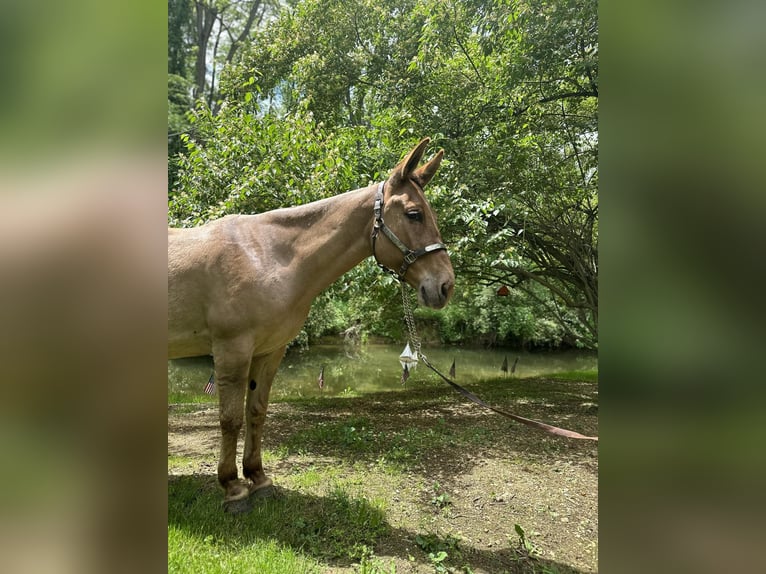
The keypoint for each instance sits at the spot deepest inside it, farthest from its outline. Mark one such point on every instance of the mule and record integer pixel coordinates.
(240, 289)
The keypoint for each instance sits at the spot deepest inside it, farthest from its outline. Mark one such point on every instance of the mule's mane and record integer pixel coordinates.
(308, 214)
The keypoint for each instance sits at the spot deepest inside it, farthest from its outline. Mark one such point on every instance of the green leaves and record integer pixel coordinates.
(330, 94)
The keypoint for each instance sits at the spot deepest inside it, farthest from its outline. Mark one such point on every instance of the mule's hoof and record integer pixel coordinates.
(265, 492)
(237, 506)
(262, 490)
(236, 499)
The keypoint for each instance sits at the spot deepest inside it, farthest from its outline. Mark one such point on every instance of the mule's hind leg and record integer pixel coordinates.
(262, 371)
(232, 364)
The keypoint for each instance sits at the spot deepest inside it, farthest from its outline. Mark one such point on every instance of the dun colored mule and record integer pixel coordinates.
(240, 288)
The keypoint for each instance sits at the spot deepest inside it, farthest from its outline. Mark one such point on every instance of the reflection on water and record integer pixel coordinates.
(374, 368)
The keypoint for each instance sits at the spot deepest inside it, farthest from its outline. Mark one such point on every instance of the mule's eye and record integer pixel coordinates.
(415, 216)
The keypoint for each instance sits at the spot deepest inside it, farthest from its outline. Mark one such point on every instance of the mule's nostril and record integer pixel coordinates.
(446, 288)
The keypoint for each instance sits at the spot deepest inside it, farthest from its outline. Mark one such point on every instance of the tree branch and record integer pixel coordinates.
(255, 7)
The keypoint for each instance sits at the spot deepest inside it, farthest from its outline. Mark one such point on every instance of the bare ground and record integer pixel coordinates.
(470, 482)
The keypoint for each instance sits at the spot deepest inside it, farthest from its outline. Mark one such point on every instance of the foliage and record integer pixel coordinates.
(375, 566)
(479, 316)
(203, 37)
(328, 315)
(438, 549)
(440, 499)
(241, 161)
(179, 102)
(330, 94)
(180, 30)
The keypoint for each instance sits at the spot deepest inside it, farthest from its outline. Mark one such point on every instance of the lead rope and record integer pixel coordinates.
(409, 319)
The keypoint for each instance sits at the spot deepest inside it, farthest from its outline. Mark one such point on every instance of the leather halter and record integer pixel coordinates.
(410, 256)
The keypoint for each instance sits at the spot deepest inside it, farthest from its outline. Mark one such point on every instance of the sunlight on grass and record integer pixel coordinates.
(182, 397)
(177, 460)
(194, 552)
(313, 477)
(270, 456)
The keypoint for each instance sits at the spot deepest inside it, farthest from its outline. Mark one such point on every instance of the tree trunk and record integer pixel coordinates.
(206, 16)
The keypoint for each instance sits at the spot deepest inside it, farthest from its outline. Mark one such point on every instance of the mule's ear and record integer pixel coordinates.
(407, 166)
(424, 173)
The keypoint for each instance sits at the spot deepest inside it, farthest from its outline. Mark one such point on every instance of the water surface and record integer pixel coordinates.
(375, 368)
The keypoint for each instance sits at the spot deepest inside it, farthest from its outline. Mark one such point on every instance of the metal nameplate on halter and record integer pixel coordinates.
(433, 247)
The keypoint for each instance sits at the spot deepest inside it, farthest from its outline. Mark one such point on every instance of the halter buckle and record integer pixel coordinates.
(409, 258)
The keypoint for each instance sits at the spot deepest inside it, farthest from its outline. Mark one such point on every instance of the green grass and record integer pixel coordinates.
(333, 514)
(313, 477)
(177, 460)
(193, 554)
(589, 375)
(393, 449)
(181, 397)
(201, 538)
(293, 532)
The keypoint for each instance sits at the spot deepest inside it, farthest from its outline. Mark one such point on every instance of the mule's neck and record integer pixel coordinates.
(328, 238)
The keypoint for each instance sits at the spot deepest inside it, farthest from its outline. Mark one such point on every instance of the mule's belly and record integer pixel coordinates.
(194, 346)
(188, 332)
(265, 334)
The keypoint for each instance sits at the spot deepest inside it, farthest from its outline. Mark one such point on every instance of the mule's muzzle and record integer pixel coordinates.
(436, 293)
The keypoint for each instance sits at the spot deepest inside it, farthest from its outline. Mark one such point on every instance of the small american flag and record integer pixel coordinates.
(405, 374)
(320, 381)
(210, 386)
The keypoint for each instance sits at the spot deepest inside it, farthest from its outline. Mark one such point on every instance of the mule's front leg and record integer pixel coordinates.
(262, 372)
(231, 369)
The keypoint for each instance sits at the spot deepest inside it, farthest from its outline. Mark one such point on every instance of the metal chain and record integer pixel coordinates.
(409, 319)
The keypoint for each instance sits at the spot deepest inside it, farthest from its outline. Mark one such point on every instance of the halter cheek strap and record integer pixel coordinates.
(410, 256)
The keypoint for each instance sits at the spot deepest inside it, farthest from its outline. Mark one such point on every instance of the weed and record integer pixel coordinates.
(440, 500)
(524, 550)
(372, 565)
(438, 549)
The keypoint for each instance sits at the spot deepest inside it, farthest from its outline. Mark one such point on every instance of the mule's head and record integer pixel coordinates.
(406, 212)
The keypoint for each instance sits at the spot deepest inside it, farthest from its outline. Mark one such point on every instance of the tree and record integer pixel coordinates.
(228, 25)
(179, 35)
(203, 37)
(508, 88)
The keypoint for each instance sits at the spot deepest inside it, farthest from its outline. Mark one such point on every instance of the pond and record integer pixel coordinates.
(375, 367)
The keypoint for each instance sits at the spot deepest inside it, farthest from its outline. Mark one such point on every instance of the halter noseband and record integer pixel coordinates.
(410, 256)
